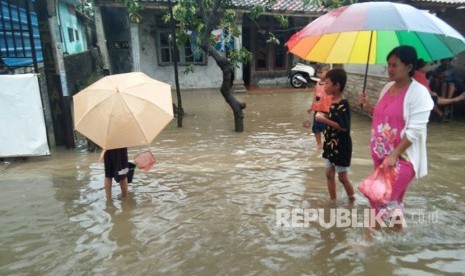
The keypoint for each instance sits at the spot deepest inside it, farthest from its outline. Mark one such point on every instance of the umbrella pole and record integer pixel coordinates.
(368, 61)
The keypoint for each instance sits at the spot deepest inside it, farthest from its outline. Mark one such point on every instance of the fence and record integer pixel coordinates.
(19, 34)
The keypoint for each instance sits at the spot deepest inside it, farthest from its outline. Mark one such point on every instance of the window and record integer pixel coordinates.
(269, 56)
(261, 53)
(280, 54)
(77, 35)
(71, 34)
(188, 54)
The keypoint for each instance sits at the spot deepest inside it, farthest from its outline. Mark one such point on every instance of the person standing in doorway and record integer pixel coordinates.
(337, 147)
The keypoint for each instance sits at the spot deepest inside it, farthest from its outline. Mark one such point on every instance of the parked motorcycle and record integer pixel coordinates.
(301, 75)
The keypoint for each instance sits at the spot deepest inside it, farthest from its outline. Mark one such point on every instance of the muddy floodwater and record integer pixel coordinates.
(211, 204)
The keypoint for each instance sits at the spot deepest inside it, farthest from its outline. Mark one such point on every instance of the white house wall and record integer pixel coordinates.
(207, 76)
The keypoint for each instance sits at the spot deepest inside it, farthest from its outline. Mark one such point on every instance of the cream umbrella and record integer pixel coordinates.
(123, 110)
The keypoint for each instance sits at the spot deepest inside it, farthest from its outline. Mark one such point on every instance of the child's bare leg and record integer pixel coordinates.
(108, 188)
(344, 179)
(331, 182)
(124, 187)
(318, 140)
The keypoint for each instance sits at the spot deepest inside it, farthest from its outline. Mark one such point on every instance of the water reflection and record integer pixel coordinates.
(208, 207)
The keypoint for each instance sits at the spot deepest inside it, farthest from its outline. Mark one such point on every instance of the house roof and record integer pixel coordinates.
(452, 2)
(281, 6)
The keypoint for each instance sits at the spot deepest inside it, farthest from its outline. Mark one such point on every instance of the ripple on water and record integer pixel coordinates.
(209, 205)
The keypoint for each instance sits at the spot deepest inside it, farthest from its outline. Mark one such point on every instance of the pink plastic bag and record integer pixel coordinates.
(307, 123)
(144, 160)
(378, 186)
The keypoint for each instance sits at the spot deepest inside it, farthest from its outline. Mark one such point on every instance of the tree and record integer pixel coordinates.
(201, 17)
(195, 21)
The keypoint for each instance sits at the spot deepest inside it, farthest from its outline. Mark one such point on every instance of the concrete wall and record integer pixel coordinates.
(116, 28)
(81, 70)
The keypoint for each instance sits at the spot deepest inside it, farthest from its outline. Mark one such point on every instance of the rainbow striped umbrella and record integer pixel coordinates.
(365, 33)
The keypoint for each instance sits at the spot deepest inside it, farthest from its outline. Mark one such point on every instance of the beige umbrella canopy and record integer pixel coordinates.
(123, 110)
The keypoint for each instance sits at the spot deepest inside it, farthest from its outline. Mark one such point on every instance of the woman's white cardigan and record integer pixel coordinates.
(417, 107)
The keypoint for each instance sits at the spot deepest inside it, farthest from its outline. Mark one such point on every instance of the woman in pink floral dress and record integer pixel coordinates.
(399, 128)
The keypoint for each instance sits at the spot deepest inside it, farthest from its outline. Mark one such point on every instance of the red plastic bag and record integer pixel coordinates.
(144, 160)
(378, 186)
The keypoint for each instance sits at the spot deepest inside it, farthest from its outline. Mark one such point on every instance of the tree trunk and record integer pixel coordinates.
(226, 86)
(236, 106)
(179, 110)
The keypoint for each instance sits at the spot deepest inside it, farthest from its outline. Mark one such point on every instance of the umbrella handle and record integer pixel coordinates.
(366, 67)
(364, 84)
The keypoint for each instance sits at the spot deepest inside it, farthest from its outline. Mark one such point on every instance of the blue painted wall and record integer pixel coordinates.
(72, 30)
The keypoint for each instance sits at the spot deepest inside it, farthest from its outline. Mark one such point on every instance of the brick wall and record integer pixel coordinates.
(354, 87)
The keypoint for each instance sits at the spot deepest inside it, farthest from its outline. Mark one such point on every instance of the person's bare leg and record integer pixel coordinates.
(319, 145)
(444, 88)
(437, 110)
(331, 182)
(450, 90)
(344, 179)
(398, 226)
(124, 187)
(108, 188)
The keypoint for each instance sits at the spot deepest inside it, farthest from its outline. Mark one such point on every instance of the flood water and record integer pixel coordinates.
(209, 205)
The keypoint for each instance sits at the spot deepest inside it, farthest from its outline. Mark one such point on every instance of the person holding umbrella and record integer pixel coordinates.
(120, 111)
(117, 167)
(398, 134)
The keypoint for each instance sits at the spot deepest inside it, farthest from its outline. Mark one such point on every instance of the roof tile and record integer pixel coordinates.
(280, 5)
(451, 2)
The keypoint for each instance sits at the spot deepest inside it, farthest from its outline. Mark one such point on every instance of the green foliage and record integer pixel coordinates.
(87, 8)
(283, 22)
(256, 11)
(198, 16)
(273, 39)
(242, 55)
(134, 10)
(189, 69)
(202, 16)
